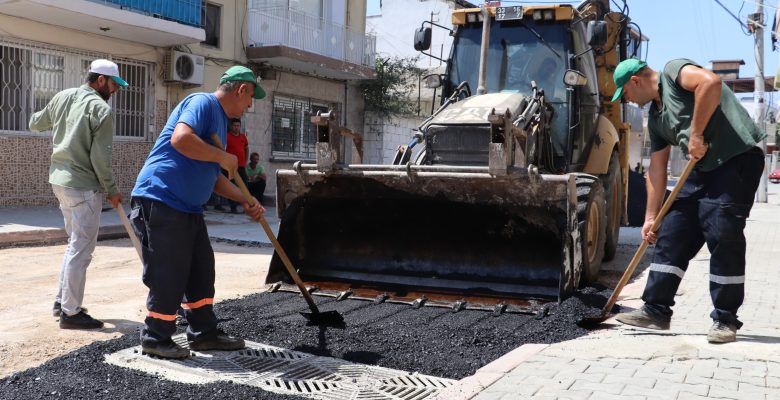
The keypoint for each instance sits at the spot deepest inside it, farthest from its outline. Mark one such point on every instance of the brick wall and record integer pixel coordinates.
(24, 168)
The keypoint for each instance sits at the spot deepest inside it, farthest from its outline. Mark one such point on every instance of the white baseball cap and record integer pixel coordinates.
(108, 68)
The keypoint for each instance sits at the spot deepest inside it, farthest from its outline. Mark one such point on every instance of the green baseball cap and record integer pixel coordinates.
(623, 72)
(244, 74)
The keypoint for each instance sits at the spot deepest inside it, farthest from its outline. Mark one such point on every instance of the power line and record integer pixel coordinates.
(732, 14)
(753, 2)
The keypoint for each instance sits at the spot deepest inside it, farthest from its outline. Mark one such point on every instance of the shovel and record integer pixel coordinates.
(592, 321)
(133, 238)
(316, 316)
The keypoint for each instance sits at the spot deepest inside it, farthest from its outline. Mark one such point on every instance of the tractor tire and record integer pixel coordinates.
(613, 184)
(592, 218)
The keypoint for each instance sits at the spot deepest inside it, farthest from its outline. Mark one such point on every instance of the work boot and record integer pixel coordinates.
(181, 319)
(721, 332)
(56, 310)
(644, 319)
(218, 340)
(167, 349)
(82, 320)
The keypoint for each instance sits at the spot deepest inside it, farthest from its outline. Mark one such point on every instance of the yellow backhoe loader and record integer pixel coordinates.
(510, 194)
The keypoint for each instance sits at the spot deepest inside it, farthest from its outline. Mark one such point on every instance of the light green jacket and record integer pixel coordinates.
(82, 128)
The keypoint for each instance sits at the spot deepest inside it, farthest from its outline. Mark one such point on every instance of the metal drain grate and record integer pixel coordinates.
(287, 372)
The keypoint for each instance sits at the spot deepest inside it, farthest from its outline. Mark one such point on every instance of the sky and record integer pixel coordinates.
(700, 30)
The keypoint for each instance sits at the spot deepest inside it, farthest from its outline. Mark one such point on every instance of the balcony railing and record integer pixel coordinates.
(187, 12)
(292, 28)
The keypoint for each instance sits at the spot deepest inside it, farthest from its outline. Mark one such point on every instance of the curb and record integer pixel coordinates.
(470, 386)
(46, 237)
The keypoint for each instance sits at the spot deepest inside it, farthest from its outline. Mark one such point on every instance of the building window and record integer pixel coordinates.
(212, 24)
(31, 74)
(293, 134)
(130, 103)
(15, 88)
(48, 72)
(310, 7)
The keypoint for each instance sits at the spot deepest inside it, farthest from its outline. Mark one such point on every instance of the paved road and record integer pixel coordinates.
(631, 363)
(114, 289)
(620, 362)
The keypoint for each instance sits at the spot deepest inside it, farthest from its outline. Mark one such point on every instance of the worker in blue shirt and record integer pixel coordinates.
(181, 172)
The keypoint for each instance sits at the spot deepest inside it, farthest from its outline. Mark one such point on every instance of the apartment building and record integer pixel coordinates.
(311, 55)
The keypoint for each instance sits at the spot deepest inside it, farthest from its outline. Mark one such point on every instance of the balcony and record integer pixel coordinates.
(291, 39)
(159, 23)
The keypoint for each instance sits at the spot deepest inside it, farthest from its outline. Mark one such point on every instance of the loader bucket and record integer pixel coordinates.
(446, 229)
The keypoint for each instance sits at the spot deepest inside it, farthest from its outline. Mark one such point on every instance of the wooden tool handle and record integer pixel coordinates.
(656, 224)
(133, 238)
(277, 246)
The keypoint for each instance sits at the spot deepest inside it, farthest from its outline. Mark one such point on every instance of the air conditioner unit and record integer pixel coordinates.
(184, 68)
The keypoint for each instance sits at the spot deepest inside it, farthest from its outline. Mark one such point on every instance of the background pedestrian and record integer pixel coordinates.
(256, 176)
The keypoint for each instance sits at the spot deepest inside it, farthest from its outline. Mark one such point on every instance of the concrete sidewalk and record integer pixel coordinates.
(28, 226)
(625, 363)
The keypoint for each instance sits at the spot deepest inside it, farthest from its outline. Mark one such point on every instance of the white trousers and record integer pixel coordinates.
(81, 210)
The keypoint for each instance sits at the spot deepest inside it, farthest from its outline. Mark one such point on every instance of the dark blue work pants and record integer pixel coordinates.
(178, 270)
(711, 208)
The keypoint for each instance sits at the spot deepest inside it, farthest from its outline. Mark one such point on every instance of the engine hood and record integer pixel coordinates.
(475, 109)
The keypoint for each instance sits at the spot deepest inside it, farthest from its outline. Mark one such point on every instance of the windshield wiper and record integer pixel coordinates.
(541, 39)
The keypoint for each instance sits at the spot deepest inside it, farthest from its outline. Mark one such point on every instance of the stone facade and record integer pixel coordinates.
(24, 168)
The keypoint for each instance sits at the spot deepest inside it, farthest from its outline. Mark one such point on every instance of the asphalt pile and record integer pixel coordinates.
(432, 341)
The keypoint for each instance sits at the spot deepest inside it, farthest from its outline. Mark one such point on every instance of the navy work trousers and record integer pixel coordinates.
(711, 208)
(178, 270)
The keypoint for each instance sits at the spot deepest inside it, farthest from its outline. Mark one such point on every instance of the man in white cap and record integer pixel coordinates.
(82, 126)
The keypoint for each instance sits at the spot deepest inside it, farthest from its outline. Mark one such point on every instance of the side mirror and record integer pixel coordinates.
(432, 81)
(597, 33)
(422, 39)
(574, 78)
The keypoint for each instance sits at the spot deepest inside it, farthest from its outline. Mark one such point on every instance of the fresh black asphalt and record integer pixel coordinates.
(432, 341)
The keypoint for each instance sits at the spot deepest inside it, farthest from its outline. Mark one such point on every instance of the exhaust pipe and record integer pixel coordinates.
(481, 87)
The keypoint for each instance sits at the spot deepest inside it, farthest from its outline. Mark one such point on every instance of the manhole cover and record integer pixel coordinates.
(287, 372)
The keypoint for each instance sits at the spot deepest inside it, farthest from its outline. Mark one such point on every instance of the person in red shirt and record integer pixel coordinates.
(238, 145)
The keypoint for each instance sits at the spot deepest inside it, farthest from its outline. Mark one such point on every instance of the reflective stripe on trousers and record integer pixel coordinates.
(712, 208)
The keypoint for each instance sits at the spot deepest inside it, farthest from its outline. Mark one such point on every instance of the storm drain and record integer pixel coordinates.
(285, 371)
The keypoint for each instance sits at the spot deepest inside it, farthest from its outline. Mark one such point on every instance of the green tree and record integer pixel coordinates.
(390, 93)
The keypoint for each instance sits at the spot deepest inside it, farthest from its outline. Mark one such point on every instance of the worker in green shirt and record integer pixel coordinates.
(82, 126)
(256, 176)
(690, 107)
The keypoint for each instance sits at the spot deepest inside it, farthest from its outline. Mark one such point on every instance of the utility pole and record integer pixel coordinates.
(757, 22)
(432, 21)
